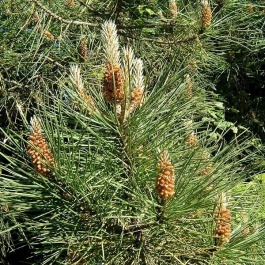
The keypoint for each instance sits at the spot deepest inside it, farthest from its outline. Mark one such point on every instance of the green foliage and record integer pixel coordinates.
(100, 205)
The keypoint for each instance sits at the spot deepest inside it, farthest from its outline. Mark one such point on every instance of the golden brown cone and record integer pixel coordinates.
(206, 16)
(192, 141)
(136, 98)
(173, 9)
(39, 151)
(165, 181)
(113, 83)
(48, 35)
(207, 170)
(89, 100)
(222, 232)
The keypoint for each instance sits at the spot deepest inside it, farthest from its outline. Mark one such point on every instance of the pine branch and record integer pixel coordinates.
(66, 21)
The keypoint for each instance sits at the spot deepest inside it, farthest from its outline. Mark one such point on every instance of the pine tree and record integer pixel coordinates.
(124, 156)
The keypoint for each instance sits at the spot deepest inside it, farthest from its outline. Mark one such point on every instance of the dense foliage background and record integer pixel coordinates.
(219, 60)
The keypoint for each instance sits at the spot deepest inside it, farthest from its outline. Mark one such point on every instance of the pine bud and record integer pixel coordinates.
(192, 141)
(165, 182)
(206, 15)
(38, 149)
(113, 83)
(89, 100)
(136, 98)
(48, 35)
(83, 50)
(222, 232)
(36, 17)
(137, 93)
(77, 82)
(173, 9)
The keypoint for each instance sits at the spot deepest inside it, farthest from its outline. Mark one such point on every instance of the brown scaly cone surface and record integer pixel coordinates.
(136, 98)
(165, 182)
(88, 98)
(39, 151)
(113, 84)
(222, 232)
(173, 9)
(48, 35)
(192, 141)
(206, 16)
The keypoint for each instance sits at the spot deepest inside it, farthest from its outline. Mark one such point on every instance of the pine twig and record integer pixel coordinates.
(63, 20)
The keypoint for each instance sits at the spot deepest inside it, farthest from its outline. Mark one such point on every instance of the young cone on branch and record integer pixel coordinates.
(48, 35)
(192, 141)
(76, 80)
(137, 93)
(222, 232)
(173, 9)
(113, 82)
(38, 149)
(165, 182)
(206, 14)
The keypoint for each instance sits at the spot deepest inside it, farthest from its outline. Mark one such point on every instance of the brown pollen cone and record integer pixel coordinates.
(40, 153)
(89, 100)
(113, 83)
(136, 98)
(173, 9)
(48, 35)
(165, 181)
(208, 169)
(192, 141)
(222, 232)
(206, 16)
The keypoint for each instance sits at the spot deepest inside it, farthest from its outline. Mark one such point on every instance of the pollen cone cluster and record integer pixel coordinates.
(192, 141)
(89, 100)
(38, 149)
(222, 232)
(206, 15)
(76, 79)
(123, 83)
(173, 8)
(136, 98)
(165, 182)
(83, 50)
(113, 83)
